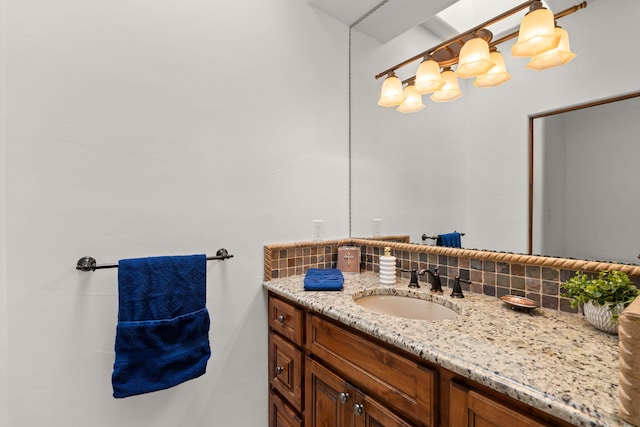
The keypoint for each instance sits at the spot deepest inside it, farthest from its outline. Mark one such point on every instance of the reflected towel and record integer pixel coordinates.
(450, 240)
(162, 336)
(318, 279)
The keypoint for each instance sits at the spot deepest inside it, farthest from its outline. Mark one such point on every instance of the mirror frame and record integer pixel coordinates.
(532, 117)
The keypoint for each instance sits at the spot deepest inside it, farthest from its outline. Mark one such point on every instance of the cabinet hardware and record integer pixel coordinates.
(344, 397)
(279, 370)
(358, 409)
(282, 318)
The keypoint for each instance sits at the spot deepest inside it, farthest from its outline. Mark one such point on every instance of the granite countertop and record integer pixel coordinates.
(554, 361)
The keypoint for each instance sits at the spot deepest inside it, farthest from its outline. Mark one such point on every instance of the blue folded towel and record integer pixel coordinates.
(318, 279)
(162, 336)
(451, 240)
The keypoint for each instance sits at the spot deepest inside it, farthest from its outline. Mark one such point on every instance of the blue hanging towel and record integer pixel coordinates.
(162, 336)
(317, 279)
(451, 240)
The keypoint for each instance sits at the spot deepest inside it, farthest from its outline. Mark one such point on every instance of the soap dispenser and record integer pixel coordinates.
(387, 268)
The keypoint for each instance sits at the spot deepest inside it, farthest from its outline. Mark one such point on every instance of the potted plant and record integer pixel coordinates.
(602, 297)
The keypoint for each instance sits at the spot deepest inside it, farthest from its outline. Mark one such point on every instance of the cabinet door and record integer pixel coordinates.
(370, 413)
(285, 363)
(329, 399)
(280, 414)
(402, 384)
(472, 409)
(488, 412)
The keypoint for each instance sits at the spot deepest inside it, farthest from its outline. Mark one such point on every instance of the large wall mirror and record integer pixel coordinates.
(584, 197)
(464, 165)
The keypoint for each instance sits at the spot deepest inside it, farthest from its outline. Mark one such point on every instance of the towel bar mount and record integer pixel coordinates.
(88, 263)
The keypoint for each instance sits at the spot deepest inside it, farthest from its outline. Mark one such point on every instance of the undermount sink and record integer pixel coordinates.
(406, 306)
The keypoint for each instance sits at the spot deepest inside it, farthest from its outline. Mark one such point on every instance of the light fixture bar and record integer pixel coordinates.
(492, 44)
(458, 37)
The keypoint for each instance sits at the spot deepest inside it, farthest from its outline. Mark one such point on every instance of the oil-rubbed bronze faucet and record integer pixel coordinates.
(434, 278)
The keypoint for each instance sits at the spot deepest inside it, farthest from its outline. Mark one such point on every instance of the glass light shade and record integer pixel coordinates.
(391, 93)
(450, 91)
(496, 75)
(554, 57)
(428, 77)
(537, 34)
(412, 102)
(474, 59)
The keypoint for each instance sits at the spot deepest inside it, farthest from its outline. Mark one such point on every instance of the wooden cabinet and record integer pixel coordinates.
(281, 414)
(332, 401)
(325, 374)
(286, 363)
(471, 408)
(328, 398)
(375, 414)
(404, 386)
(286, 369)
(287, 320)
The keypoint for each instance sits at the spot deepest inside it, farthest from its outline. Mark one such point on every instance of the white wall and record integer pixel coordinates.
(550, 176)
(463, 165)
(4, 350)
(585, 196)
(145, 128)
(602, 189)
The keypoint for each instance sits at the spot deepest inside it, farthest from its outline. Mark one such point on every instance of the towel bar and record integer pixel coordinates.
(88, 263)
(425, 237)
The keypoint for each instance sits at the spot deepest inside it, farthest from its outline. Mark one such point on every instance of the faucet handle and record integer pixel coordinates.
(457, 289)
(413, 283)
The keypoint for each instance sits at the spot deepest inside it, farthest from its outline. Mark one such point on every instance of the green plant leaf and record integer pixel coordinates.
(607, 288)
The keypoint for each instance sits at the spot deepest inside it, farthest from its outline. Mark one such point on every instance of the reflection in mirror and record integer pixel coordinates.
(463, 165)
(585, 175)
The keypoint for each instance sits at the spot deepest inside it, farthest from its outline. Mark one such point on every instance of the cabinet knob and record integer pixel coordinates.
(344, 397)
(279, 370)
(357, 409)
(282, 318)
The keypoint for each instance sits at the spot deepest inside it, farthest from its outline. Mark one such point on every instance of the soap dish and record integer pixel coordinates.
(518, 302)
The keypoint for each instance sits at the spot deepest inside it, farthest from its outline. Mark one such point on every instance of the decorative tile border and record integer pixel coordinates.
(491, 273)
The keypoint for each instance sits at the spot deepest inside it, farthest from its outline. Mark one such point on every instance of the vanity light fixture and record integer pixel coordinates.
(392, 93)
(537, 33)
(412, 102)
(496, 75)
(554, 57)
(450, 91)
(428, 78)
(474, 59)
(475, 54)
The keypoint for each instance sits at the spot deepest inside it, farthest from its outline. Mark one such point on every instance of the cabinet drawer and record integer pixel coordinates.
(404, 385)
(286, 370)
(281, 414)
(286, 319)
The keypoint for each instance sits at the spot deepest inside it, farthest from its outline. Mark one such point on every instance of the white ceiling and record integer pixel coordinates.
(443, 18)
(347, 11)
(386, 23)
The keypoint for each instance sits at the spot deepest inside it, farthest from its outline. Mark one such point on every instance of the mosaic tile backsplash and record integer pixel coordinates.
(494, 278)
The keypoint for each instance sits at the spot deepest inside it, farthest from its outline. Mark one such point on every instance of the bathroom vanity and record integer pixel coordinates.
(333, 362)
